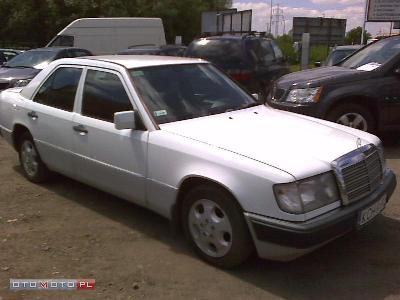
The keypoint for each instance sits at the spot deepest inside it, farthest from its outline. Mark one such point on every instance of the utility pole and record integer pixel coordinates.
(278, 18)
(364, 21)
(270, 20)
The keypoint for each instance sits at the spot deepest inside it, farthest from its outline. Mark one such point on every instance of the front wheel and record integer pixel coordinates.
(354, 116)
(214, 225)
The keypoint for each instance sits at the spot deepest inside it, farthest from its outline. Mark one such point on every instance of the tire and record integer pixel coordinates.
(215, 227)
(32, 165)
(353, 115)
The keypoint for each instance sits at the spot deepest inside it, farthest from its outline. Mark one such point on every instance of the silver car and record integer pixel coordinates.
(181, 138)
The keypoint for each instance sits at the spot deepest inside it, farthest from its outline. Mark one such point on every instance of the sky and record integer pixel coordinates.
(352, 10)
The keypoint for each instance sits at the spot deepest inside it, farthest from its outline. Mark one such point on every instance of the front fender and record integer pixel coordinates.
(173, 158)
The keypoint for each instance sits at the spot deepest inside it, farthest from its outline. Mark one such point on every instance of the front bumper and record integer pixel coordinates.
(282, 240)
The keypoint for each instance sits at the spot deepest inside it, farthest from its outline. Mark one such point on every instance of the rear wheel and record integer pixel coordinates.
(34, 169)
(214, 225)
(354, 116)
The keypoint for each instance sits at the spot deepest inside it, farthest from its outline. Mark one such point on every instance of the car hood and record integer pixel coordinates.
(7, 74)
(320, 76)
(299, 145)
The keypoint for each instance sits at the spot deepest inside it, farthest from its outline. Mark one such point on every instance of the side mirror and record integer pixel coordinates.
(256, 96)
(317, 64)
(397, 71)
(125, 120)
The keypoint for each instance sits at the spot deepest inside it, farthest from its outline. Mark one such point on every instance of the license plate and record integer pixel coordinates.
(371, 212)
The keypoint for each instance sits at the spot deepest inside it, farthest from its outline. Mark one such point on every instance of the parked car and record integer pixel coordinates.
(338, 54)
(10, 53)
(166, 50)
(21, 69)
(3, 58)
(110, 35)
(254, 61)
(362, 92)
(190, 149)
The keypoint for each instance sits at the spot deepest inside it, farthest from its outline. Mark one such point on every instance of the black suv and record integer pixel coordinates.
(254, 61)
(362, 92)
(21, 69)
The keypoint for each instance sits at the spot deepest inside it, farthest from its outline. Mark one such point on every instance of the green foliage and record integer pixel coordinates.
(353, 37)
(285, 42)
(32, 23)
(318, 53)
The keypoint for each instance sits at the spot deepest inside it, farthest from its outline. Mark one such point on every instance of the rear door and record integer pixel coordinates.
(50, 117)
(110, 159)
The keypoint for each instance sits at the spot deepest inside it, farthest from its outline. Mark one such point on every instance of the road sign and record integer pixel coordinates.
(383, 11)
(228, 21)
(323, 31)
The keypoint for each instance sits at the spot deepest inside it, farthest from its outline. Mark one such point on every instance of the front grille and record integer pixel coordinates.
(359, 173)
(4, 85)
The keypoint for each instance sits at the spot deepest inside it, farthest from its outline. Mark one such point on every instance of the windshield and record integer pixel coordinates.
(337, 56)
(179, 92)
(373, 56)
(32, 59)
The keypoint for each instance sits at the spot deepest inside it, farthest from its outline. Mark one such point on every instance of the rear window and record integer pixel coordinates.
(220, 52)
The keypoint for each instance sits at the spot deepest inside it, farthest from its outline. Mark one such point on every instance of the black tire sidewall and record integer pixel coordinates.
(42, 173)
(242, 245)
(339, 111)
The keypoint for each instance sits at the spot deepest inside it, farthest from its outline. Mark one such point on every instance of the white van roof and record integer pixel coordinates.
(113, 22)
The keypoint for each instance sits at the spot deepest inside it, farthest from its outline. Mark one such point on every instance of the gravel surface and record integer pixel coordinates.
(64, 229)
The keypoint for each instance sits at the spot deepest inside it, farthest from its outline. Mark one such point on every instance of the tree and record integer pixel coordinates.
(32, 23)
(353, 37)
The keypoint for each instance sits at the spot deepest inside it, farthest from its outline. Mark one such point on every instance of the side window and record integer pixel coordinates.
(266, 52)
(60, 88)
(104, 95)
(277, 50)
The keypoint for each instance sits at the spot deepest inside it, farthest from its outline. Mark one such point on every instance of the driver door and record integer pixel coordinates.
(109, 159)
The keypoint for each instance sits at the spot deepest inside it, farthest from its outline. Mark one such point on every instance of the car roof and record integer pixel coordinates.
(55, 49)
(348, 47)
(234, 37)
(139, 61)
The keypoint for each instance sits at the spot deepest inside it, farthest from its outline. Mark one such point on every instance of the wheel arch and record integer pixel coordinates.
(188, 183)
(18, 130)
(366, 101)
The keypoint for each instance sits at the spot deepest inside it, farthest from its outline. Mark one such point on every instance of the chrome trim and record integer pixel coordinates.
(362, 175)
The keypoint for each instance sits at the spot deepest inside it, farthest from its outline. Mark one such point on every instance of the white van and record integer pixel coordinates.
(110, 35)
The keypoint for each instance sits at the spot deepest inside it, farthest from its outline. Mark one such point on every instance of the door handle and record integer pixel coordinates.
(80, 129)
(33, 115)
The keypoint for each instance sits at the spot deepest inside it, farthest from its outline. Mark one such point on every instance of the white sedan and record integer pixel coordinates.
(181, 138)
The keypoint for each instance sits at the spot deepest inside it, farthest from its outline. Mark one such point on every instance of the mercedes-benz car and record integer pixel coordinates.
(181, 138)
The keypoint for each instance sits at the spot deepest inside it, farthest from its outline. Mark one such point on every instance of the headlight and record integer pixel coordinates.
(308, 95)
(21, 82)
(308, 194)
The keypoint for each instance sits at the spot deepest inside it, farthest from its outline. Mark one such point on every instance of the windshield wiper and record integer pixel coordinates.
(250, 105)
(22, 67)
